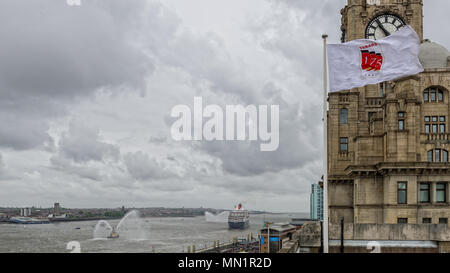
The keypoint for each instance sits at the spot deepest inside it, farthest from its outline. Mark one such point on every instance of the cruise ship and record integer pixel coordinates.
(239, 218)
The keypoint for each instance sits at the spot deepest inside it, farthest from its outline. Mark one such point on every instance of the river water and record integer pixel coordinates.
(165, 235)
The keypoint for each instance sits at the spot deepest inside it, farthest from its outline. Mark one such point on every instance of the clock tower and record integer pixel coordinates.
(376, 19)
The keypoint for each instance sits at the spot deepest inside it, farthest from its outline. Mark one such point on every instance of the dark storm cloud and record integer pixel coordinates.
(52, 53)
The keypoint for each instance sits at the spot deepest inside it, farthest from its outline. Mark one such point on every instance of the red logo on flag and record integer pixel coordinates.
(372, 59)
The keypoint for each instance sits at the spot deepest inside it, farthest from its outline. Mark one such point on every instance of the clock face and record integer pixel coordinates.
(383, 26)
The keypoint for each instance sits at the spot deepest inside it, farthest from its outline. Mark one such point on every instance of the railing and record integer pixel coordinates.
(343, 98)
(375, 102)
(434, 137)
(345, 155)
(233, 246)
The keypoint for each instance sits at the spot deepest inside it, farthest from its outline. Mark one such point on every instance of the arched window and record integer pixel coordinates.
(433, 94)
(437, 155)
(343, 116)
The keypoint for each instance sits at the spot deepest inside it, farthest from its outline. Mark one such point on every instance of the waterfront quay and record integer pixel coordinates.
(236, 245)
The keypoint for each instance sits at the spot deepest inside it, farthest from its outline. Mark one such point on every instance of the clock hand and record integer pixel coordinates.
(387, 33)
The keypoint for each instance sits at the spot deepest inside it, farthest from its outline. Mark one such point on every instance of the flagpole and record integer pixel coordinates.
(325, 147)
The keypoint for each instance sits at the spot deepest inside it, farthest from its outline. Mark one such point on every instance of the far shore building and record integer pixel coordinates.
(316, 202)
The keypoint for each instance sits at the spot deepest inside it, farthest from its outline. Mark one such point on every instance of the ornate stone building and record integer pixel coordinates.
(388, 144)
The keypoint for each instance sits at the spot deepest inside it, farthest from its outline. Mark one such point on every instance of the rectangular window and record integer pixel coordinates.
(430, 156)
(433, 95)
(443, 221)
(424, 193)
(402, 188)
(426, 97)
(442, 119)
(440, 96)
(444, 156)
(426, 220)
(344, 116)
(344, 144)
(427, 119)
(437, 157)
(401, 121)
(401, 125)
(441, 189)
(442, 128)
(402, 220)
(427, 128)
(435, 119)
(435, 129)
(371, 114)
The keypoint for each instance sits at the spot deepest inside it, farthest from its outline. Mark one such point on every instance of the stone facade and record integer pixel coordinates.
(388, 144)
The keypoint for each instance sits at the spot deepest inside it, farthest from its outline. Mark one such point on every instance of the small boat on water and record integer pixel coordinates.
(27, 221)
(113, 235)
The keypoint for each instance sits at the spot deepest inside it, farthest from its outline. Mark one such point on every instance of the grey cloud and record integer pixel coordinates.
(294, 31)
(158, 138)
(69, 167)
(81, 152)
(83, 144)
(203, 56)
(298, 141)
(61, 51)
(2, 164)
(142, 167)
(21, 132)
(5, 172)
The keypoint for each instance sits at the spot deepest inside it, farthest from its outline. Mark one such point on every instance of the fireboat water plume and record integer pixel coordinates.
(130, 227)
(217, 218)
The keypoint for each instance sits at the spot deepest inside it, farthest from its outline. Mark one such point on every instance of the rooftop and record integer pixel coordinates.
(433, 55)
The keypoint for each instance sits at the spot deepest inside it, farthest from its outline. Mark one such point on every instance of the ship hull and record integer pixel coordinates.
(28, 222)
(238, 225)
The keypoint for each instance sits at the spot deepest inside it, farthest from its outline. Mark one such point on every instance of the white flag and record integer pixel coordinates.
(362, 62)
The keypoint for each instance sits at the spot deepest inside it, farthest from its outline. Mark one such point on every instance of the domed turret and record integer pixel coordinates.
(433, 55)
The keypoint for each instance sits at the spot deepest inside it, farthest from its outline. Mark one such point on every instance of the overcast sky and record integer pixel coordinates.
(86, 94)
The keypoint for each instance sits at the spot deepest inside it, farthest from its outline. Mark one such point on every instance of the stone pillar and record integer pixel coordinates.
(433, 193)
